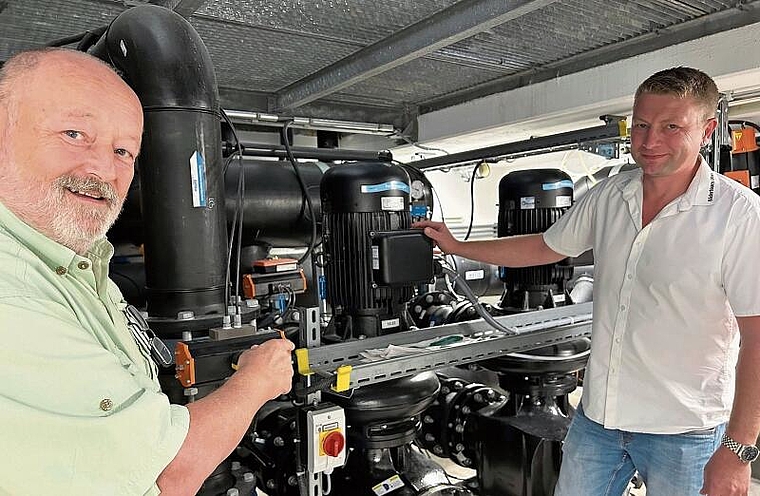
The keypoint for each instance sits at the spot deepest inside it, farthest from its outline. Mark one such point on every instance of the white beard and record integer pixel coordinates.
(60, 216)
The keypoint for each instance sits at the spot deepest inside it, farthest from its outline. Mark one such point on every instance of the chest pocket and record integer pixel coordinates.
(110, 384)
(681, 252)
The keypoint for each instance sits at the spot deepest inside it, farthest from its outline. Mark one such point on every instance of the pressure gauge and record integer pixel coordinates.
(418, 189)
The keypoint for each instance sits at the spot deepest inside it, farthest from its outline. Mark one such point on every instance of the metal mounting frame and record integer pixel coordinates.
(534, 330)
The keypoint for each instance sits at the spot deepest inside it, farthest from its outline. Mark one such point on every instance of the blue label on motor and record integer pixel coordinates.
(322, 285)
(419, 210)
(565, 183)
(390, 185)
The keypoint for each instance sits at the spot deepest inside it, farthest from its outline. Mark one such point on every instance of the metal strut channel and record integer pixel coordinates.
(534, 330)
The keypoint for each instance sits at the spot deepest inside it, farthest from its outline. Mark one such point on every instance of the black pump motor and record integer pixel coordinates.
(530, 202)
(372, 258)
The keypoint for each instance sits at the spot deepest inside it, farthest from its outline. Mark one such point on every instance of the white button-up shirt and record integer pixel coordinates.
(665, 340)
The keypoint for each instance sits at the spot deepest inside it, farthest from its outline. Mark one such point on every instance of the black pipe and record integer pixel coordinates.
(614, 128)
(90, 38)
(164, 60)
(251, 149)
(68, 40)
(274, 207)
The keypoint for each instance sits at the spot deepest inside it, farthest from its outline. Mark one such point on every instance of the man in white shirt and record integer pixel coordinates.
(674, 245)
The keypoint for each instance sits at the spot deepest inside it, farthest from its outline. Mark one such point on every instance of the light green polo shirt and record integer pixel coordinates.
(81, 412)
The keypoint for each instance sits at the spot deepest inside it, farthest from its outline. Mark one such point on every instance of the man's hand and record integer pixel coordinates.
(438, 232)
(269, 367)
(726, 475)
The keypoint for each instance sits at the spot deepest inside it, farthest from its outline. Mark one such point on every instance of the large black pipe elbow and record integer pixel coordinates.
(164, 60)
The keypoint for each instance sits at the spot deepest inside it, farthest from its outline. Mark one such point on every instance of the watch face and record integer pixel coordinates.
(750, 453)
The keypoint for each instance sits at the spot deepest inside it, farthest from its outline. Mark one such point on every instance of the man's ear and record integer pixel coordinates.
(708, 129)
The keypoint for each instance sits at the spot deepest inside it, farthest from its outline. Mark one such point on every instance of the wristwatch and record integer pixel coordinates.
(747, 453)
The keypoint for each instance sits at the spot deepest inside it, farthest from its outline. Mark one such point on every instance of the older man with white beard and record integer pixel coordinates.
(80, 407)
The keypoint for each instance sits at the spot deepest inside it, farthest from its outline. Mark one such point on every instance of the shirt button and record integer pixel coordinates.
(622, 308)
(106, 404)
(617, 340)
(60, 270)
(83, 265)
(630, 276)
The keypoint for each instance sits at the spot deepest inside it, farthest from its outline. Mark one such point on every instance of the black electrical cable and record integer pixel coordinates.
(292, 159)
(230, 245)
(319, 385)
(237, 217)
(472, 201)
(229, 161)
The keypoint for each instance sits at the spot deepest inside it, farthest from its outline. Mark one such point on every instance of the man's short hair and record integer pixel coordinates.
(683, 82)
(27, 60)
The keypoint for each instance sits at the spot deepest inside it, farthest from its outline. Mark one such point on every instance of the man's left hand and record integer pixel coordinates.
(726, 475)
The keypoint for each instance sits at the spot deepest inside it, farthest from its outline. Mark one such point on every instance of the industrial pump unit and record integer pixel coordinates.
(356, 423)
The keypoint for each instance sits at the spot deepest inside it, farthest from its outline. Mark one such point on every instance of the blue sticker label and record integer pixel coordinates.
(322, 285)
(565, 183)
(390, 185)
(419, 210)
(198, 178)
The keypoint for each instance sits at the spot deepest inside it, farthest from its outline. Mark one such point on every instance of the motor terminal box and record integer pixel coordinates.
(325, 438)
(401, 257)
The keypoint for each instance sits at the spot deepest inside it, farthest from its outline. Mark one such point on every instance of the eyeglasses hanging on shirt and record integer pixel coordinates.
(146, 339)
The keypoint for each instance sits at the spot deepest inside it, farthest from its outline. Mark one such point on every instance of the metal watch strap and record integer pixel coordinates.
(731, 444)
(738, 448)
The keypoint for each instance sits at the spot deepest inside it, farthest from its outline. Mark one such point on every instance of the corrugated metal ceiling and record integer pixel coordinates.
(349, 58)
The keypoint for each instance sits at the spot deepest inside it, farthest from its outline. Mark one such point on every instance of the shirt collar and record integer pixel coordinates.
(52, 253)
(631, 184)
(702, 190)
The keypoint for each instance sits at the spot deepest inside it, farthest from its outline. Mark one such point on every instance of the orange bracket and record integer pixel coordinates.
(184, 365)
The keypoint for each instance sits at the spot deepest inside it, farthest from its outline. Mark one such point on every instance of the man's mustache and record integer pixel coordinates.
(89, 186)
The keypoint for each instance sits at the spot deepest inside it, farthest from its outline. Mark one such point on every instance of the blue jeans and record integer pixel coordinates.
(600, 462)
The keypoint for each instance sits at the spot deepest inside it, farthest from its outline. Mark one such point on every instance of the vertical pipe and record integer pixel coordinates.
(164, 60)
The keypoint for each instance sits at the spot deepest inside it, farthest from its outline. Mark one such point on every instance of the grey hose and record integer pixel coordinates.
(475, 303)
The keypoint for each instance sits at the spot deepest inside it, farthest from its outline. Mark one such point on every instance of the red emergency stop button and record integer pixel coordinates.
(333, 443)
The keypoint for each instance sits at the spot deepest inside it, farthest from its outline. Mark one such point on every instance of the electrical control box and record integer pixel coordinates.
(325, 438)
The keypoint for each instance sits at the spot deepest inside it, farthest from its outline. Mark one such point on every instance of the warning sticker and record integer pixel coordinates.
(564, 201)
(395, 203)
(390, 323)
(375, 258)
(388, 485)
(528, 203)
